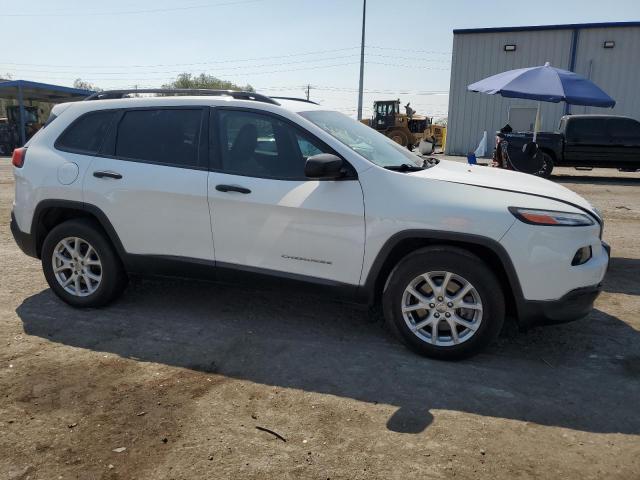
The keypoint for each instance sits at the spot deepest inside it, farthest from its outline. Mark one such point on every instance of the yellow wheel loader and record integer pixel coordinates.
(406, 129)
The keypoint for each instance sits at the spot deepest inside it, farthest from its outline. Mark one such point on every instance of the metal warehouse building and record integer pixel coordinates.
(607, 53)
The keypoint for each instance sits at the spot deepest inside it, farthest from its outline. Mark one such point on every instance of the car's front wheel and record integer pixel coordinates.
(444, 302)
(80, 264)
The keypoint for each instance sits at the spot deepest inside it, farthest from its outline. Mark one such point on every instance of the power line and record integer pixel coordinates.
(315, 52)
(182, 71)
(415, 59)
(390, 91)
(91, 79)
(408, 66)
(131, 12)
(433, 52)
(246, 70)
(215, 62)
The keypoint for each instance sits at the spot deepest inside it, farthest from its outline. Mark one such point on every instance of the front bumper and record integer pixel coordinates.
(574, 305)
(25, 241)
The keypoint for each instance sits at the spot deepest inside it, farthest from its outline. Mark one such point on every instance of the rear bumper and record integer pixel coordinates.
(25, 241)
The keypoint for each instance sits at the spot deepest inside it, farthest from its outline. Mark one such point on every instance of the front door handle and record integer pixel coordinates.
(113, 175)
(232, 188)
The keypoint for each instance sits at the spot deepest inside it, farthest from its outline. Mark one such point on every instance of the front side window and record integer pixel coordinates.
(165, 136)
(307, 148)
(362, 139)
(259, 145)
(86, 134)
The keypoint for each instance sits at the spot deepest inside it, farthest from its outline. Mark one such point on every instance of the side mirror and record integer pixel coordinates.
(324, 165)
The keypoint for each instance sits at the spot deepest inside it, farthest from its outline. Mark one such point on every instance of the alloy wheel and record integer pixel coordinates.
(77, 266)
(442, 308)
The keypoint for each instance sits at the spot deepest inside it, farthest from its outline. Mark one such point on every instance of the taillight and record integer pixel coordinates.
(18, 157)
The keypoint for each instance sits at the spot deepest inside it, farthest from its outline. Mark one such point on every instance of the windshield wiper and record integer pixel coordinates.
(404, 167)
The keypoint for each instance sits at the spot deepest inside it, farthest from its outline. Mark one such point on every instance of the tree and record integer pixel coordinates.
(188, 80)
(84, 85)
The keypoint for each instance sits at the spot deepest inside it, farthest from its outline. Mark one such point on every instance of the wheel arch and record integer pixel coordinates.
(550, 152)
(50, 213)
(488, 250)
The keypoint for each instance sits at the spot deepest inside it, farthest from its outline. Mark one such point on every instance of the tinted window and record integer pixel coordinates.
(86, 133)
(624, 128)
(583, 129)
(165, 136)
(307, 148)
(260, 145)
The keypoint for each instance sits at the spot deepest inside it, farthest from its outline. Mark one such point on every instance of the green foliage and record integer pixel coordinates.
(188, 80)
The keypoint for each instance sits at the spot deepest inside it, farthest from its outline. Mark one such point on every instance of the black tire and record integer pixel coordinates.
(546, 165)
(459, 262)
(113, 277)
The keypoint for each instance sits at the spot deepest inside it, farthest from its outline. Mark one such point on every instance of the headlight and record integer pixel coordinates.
(551, 217)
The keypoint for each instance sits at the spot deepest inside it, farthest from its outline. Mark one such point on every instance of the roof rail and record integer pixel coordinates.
(297, 99)
(238, 95)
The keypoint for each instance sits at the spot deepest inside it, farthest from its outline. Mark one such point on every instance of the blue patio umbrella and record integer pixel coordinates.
(544, 84)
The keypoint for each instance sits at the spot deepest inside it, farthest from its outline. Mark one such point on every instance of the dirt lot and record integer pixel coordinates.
(180, 374)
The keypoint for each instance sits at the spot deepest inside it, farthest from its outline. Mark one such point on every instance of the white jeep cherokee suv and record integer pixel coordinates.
(218, 184)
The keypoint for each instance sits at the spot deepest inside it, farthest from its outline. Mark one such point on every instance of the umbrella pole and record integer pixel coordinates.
(536, 126)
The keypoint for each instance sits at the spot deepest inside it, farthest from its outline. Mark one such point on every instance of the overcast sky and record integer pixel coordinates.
(278, 46)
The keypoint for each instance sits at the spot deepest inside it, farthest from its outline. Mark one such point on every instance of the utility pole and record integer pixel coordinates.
(360, 88)
(308, 90)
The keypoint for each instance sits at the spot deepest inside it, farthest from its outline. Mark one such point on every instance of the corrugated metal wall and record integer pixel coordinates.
(616, 70)
(479, 55)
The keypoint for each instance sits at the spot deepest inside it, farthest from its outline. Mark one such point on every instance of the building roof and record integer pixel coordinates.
(41, 92)
(568, 26)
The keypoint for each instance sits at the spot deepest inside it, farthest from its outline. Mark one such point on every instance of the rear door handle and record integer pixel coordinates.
(232, 188)
(113, 175)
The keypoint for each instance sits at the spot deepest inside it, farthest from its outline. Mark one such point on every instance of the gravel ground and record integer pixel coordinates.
(172, 381)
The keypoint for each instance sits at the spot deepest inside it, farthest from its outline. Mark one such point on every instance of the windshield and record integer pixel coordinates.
(362, 139)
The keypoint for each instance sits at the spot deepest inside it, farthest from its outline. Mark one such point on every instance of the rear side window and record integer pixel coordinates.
(623, 128)
(164, 136)
(86, 134)
(583, 129)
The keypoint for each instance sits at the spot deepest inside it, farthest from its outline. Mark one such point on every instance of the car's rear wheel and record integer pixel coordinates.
(444, 302)
(80, 264)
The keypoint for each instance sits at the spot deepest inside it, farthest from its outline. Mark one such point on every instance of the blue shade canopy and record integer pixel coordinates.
(545, 84)
(41, 92)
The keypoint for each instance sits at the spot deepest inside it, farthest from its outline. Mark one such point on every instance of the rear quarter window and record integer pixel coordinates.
(623, 128)
(86, 134)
